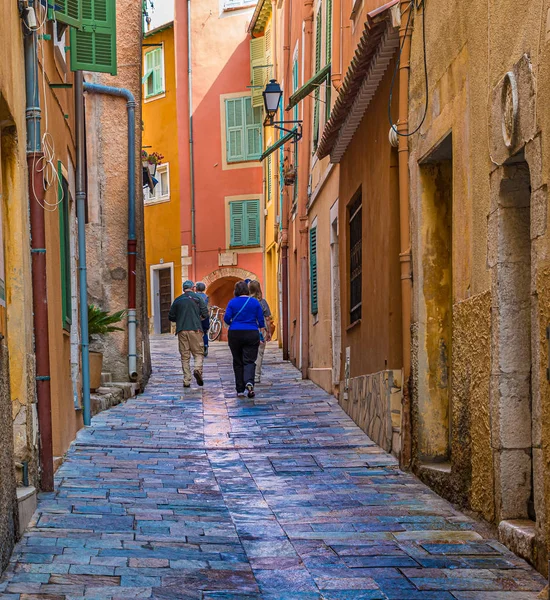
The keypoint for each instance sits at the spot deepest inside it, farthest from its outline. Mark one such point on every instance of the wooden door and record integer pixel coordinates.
(165, 298)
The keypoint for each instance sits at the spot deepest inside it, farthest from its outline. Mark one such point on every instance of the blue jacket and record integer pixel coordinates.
(250, 318)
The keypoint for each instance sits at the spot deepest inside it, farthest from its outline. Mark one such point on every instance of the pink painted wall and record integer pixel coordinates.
(220, 65)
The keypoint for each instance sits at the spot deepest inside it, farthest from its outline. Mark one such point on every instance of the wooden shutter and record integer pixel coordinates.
(64, 248)
(236, 218)
(158, 86)
(257, 70)
(69, 12)
(268, 56)
(234, 129)
(318, 42)
(252, 214)
(93, 48)
(269, 176)
(313, 270)
(253, 130)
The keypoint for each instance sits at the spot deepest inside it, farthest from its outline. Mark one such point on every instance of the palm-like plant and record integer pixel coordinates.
(101, 322)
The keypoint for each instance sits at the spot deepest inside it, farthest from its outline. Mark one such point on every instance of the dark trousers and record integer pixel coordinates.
(244, 346)
(205, 327)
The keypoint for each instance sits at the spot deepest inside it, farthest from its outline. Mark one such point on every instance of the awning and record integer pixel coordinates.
(375, 50)
(280, 142)
(308, 87)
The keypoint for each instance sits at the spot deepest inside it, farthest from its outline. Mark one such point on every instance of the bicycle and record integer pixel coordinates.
(216, 323)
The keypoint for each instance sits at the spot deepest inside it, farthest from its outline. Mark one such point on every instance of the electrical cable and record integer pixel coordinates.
(396, 70)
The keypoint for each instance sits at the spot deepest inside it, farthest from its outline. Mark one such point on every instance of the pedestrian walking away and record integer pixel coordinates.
(245, 318)
(189, 311)
(200, 289)
(255, 290)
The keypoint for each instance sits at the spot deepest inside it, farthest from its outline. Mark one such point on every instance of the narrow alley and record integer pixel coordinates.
(203, 495)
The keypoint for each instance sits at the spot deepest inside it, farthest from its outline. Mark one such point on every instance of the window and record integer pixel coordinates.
(93, 47)
(65, 248)
(161, 193)
(313, 270)
(59, 40)
(243, 125)
(355, 213)
(154, 73)
(244, 217)
(236, 4)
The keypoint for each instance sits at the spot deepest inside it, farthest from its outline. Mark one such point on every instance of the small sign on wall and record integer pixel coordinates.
(227, 259)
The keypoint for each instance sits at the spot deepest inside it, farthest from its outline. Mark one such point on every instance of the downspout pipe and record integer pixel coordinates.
(82, 263)
(191, 142)
(336, 59)
(38, 256)
(405, 254)
(94, 88)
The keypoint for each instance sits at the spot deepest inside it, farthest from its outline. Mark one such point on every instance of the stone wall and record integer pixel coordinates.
(374, 403)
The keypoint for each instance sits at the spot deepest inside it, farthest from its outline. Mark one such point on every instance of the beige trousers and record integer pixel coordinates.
(259, 362)
(190, 342)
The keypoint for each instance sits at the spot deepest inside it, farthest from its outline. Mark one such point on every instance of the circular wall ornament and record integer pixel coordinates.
(510, 107)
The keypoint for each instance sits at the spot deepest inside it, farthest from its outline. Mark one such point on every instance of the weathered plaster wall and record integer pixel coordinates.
(107, 228)
(376, 341)
(471, 47)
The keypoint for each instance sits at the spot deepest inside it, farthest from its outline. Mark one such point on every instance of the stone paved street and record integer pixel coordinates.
(170, 497)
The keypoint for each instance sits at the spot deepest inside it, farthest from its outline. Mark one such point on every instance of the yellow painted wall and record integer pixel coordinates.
(162, 220)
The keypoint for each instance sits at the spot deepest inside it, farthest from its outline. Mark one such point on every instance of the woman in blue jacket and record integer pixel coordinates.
(245, 318)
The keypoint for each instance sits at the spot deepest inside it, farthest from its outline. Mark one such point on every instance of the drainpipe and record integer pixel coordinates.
(405, 255)
(304, 171)
(38, 255)
(336, 59)
(82, 269)
(191, 143)
(94, 88)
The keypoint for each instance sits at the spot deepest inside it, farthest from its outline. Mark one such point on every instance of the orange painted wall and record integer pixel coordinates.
(162, 234)
(220, 66)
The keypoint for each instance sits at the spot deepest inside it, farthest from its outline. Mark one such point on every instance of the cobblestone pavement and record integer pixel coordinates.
(170, 497)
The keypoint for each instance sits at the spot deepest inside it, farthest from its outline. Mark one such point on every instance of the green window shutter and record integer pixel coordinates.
(269, 175)
(257, 70)
(252, 219)
(154, 84)
(313, 270)
(69, 12)
(236, 218)
(328, 37)
(64, 248)
(93, 48)
(234, 129)
(253, 130)
(318, 42)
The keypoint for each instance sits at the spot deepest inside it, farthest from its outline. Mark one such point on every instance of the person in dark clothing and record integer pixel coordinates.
(201, 291)
(187, 311)
(245, 318)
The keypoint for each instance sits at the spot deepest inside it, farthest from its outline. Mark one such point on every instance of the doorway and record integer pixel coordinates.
(162, 284)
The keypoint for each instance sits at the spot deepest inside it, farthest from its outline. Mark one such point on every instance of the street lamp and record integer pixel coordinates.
(272, 98)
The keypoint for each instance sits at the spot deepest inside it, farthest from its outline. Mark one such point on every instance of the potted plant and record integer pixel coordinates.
(154, 159)
(100, 322)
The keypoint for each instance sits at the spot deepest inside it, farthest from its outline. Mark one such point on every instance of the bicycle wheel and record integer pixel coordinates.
(215, 330)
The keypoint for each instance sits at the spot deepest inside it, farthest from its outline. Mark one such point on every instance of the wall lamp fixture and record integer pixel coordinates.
(272, 100)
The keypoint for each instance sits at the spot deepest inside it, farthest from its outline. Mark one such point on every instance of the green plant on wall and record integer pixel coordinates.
(101, 322)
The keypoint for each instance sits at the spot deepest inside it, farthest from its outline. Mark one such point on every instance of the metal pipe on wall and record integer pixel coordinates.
(94, 88)
(38, 255)
(405, 254)
(191, 142)
(80, 185)
(336, 58)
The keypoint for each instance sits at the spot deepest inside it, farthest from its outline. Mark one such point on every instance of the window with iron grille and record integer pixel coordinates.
(355, 213)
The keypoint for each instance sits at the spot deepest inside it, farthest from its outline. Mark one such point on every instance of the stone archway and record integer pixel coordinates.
(228, 272)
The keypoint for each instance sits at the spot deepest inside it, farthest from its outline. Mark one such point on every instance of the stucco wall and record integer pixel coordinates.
(471, 47)
(107, 228)
(375, 342)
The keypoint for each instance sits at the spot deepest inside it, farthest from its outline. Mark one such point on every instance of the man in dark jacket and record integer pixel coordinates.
(187, 311)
